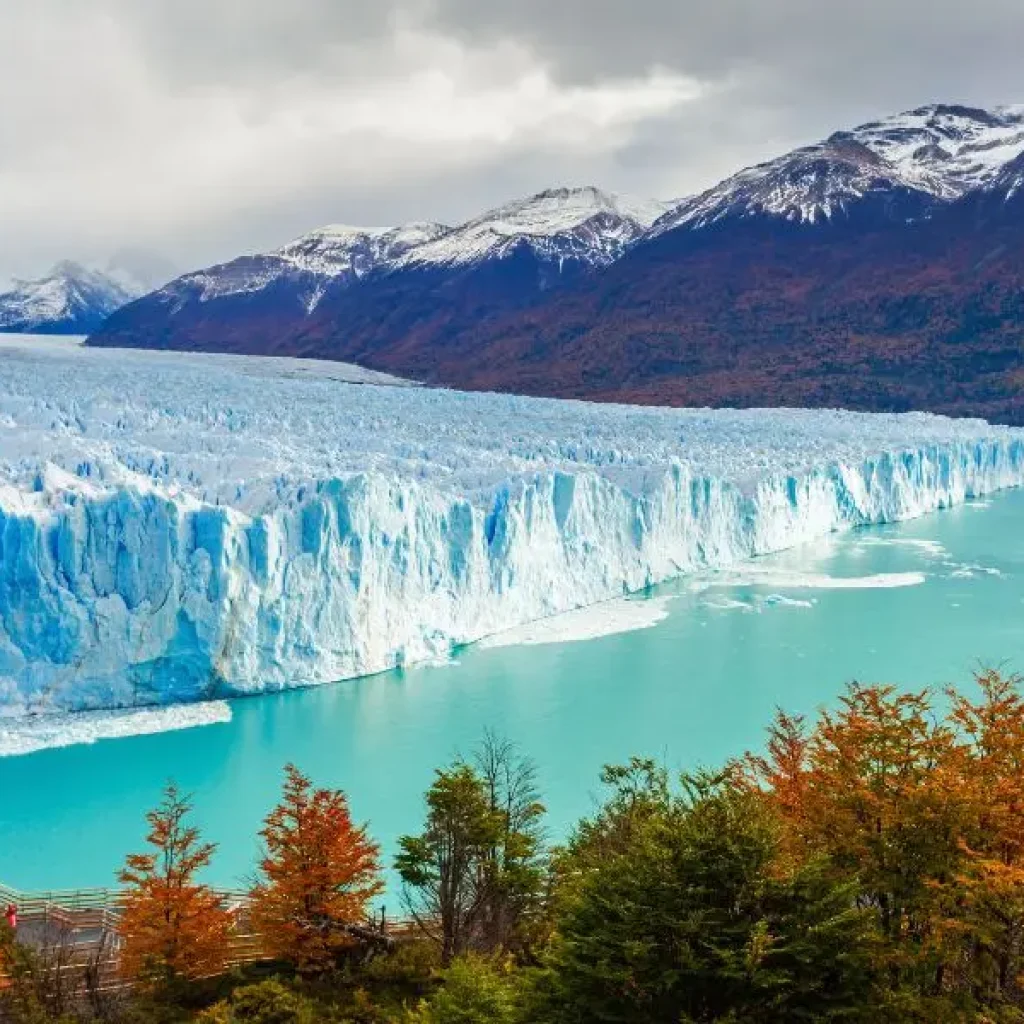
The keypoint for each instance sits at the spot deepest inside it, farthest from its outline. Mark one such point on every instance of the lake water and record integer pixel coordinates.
(917, 604)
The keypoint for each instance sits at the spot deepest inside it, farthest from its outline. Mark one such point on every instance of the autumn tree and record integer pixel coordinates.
(879, 794)
(173, 927)
(986, 900)
(319, 873)
(925, 811)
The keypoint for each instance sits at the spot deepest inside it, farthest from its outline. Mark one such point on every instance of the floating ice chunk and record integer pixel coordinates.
(787, 602)
(964, 570)
(753, 576)
(606, 619)
(31, 733)
(932, 548)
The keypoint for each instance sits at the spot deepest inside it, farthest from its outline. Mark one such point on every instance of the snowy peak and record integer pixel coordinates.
(337, 253)
(945, 150)
(340, 249)
(580, 224)
(70, 299)
(932, 154)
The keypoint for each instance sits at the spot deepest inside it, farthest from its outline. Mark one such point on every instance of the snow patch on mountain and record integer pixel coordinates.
(945, 150)
(70, 299)
(310, 264)
(339, 249)
(171, 534)
(938, 153)
(581, 224)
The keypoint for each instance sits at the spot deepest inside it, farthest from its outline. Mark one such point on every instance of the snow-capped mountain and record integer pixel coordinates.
(333, 255)
(907, 163)
(579, 225)
(506, 256)
(71, 299)
(879, 269)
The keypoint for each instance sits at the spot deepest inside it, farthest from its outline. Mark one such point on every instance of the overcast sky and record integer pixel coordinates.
(199, 129)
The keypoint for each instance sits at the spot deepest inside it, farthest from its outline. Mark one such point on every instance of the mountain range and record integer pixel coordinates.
(880, 269)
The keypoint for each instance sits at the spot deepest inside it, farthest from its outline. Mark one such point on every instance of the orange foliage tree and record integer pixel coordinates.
(927, 812)
(319, 873)
(173, 928)
(988, 894)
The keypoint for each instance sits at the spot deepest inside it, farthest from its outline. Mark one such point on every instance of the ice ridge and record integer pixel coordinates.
(173, 530)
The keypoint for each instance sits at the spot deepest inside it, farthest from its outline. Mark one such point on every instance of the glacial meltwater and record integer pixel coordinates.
(689, 673)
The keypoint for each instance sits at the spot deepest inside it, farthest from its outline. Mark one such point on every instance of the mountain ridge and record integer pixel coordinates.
(839, 273)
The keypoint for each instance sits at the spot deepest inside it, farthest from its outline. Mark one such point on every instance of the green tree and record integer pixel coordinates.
(269, 1002)
(689, 920)
(515, 866)
(640, 792)
(474, 990)
(443, 869)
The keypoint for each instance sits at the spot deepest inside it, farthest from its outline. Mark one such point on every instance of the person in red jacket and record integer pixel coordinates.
(11, 915)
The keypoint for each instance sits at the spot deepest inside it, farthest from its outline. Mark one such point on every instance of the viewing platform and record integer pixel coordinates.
(77, 932)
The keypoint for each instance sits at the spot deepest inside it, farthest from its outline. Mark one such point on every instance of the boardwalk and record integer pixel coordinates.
(76, 931)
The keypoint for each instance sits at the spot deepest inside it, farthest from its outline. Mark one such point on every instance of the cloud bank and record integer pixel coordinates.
(203, 128)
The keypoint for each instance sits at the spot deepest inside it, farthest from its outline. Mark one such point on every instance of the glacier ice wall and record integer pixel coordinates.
(176, 528)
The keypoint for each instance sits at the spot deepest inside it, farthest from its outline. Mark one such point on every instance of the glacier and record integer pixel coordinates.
(184, 528)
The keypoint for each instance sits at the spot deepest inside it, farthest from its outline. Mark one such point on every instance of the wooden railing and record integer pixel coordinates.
(88, 921)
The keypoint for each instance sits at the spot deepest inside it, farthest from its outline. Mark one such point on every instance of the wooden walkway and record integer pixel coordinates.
(77, 931)
(89, 920)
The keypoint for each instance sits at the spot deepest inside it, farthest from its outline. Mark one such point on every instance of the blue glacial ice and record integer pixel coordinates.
(180, 528)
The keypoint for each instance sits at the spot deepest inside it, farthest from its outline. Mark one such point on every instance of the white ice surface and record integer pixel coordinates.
(27, 734)
(607, 619)
(179, 528)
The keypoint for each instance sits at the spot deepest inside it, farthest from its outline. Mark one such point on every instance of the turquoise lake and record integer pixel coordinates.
(918, 604)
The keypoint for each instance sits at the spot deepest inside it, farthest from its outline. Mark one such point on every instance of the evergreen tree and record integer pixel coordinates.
(688, 921)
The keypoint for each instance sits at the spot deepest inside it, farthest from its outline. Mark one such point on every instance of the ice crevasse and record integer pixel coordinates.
(178, 528)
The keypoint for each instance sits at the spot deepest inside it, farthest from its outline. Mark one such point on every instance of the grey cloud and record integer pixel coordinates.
(202, 128)
(856, 41)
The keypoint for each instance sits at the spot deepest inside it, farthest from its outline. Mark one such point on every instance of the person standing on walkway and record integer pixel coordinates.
(11, 916)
